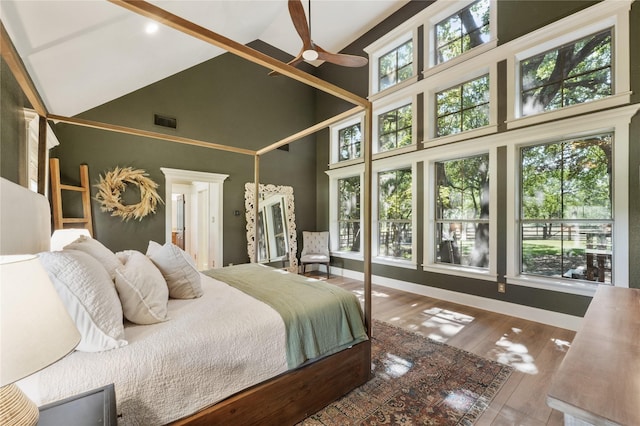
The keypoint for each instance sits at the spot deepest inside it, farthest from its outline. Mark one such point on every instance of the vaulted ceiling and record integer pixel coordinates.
(81, 54)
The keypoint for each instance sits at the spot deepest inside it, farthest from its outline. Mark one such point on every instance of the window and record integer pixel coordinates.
(395, 66)
(463, 107)
(462, 31)
(571, 74)
(395, 128)
(462, 211)
(349, 214)
(395, 214)
(349, 140)
(566, 224)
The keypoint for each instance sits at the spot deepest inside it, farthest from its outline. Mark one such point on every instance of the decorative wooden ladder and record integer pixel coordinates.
(59, 221)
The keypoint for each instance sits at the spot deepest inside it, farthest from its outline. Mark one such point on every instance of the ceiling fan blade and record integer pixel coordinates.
(341, 58)
(299, 19)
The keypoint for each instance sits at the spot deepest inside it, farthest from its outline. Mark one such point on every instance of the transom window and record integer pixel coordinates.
(395, 128)
(571, 74)
(349, 214)
(462, 211)
(395, 66)
(349, 142)
(566, 209)
(462, 31)
(463, 107)
(394, 214)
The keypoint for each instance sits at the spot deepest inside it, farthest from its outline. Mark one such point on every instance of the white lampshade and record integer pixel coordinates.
(35, 328)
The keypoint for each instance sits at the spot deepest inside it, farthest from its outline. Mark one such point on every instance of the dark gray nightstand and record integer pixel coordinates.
(94, 408)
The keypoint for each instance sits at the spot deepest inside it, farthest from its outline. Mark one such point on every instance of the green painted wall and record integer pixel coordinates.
(515, 18)
(226, 100)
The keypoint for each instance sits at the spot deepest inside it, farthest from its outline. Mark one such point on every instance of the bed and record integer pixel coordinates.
(221, 358)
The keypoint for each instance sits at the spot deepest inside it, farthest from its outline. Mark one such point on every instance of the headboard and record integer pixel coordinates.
(25, 220)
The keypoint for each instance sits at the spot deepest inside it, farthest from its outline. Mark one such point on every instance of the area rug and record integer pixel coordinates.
(417, 381)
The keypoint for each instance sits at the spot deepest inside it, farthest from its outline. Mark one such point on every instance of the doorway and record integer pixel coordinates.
(194, 206)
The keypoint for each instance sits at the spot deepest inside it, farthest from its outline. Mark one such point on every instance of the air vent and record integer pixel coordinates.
(165, 121)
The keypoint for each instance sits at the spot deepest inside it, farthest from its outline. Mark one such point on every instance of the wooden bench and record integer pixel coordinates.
(598, 381)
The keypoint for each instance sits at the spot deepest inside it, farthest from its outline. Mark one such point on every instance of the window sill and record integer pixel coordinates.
(390, 261)
(563, 286)
(570, 111)
(392, 89)
(469, 134)
(459, 271)
(353, 255)
(396, 151)
(435, 69)
(346, 163)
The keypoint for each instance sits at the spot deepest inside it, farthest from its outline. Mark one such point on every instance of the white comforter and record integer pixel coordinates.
(211, 348)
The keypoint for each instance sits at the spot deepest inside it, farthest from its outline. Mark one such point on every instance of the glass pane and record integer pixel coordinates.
(597, 53)
(587, 87)
(475, 117)
(464, 244)
(405, 73)
(542, 181)
(405, 54)
(463, 188)
(475, 92)
(568, 250)
(394, 239)
(448, 101)
(394, 189)
(349, 236)
(448, 30)
(404, 117)
(449, 51)
(448, 125)
(403, 138)
(349, 198)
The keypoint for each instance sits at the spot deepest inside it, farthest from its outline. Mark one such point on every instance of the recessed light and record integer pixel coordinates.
(151, 28)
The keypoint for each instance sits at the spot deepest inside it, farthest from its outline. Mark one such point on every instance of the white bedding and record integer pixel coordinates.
(211, 348)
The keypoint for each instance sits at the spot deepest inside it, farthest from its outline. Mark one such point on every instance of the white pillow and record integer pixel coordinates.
(142, 289)
(90, 297)
(178, 268)
(97, 250)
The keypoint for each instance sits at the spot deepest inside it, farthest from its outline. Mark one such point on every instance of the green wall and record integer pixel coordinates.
(226, 100)
(515, 18)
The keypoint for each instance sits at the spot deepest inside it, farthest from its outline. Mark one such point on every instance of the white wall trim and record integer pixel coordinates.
(556, 319)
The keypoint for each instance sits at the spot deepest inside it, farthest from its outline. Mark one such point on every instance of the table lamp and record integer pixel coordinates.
(35, 331)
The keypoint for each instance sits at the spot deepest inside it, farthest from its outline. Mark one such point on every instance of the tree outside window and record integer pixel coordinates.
(349, 142)
(566, 209)
(462, 31)
(394, 128)
(349, 214)
(463, 107)
(462, 211)
(572, 74)
(395, 66)
(394, 214)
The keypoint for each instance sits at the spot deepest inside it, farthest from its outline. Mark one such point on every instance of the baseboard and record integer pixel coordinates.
(556, 319)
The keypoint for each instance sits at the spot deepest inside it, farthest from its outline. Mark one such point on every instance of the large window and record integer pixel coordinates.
(462, 31)
(566, 224)
(349, 142)
(349, 214)
(395, 128)
(571, 74)
(395, 66)
(462, 211)
(463, 107)
(395, 214)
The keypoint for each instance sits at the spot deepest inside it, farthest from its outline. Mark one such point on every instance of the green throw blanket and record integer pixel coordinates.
(320, 318)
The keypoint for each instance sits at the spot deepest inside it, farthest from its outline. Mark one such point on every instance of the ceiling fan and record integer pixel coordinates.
(311, 51)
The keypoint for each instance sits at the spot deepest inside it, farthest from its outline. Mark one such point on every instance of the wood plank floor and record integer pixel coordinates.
(534, 350)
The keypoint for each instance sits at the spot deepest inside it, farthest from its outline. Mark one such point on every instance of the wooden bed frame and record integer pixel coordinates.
(294, 395)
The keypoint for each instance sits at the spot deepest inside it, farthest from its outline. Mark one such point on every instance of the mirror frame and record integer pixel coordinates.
(249, 200)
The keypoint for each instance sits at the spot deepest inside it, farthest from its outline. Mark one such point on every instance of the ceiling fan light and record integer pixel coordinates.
(310, 55)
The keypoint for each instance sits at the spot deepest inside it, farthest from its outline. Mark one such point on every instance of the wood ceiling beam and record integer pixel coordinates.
(167, 18)
(310, 130)
(12, 58)
(148, 134)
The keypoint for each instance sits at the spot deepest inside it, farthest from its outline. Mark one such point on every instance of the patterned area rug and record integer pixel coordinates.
(417, 381)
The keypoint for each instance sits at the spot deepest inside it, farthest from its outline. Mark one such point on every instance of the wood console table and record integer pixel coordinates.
(598, 381)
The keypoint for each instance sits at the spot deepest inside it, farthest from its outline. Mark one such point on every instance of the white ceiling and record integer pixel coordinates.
(83, 53)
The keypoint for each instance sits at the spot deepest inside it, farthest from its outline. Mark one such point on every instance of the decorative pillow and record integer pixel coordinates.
(90, 297)
(97, 250)
(142, 290)
(178, 269)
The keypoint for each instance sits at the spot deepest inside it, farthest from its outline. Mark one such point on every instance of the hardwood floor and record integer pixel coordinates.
(534, 350)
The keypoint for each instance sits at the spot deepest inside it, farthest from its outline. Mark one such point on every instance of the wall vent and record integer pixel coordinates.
(165, 121)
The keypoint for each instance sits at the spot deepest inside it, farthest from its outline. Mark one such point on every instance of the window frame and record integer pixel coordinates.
(440, 11)
(386, 165)
(334, 176)
(608, 14)
(446, 153)
(389, 105)
(334, 132)
(614, 121)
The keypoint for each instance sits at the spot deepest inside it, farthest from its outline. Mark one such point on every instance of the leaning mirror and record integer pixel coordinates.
(275, 224)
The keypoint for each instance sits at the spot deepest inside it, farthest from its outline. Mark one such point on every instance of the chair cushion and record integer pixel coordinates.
(315, 243)
(314, 258)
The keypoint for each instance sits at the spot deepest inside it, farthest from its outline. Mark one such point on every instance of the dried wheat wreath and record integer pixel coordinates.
(115, 182)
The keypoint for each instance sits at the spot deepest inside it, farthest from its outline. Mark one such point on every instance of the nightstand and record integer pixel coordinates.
(94, 408)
